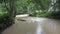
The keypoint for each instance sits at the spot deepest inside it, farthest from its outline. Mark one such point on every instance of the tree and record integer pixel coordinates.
(7, 18)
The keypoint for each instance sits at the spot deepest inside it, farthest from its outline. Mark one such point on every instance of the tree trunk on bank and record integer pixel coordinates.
(12, 11)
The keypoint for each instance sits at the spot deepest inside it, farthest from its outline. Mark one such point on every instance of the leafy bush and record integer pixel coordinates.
(40, 14)
(5, 20)
(53, 14)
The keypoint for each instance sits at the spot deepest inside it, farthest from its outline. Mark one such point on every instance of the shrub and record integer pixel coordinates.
(5, 20)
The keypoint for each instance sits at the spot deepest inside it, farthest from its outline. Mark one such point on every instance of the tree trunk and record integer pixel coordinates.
(12, 11)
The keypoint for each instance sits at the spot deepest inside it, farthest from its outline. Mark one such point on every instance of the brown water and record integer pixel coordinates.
(34, 25)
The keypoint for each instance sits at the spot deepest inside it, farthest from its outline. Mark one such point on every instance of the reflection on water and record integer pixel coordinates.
(34, 25)
(39, 29)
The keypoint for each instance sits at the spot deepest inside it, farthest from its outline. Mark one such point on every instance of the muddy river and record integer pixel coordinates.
(34, 25)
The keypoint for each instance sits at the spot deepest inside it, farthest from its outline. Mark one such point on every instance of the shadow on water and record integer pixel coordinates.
(5, 26)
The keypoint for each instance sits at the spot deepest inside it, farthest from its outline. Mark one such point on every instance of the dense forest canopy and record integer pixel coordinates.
(35, 7)
(40, 8)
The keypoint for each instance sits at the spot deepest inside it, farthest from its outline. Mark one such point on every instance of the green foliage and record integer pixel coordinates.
(33, 5)
(39, 13)
(5, 20)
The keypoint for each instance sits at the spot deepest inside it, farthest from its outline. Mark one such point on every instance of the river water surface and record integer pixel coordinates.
(34, 25)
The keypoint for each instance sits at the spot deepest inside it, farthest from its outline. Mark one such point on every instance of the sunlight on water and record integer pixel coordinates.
(39, 29)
